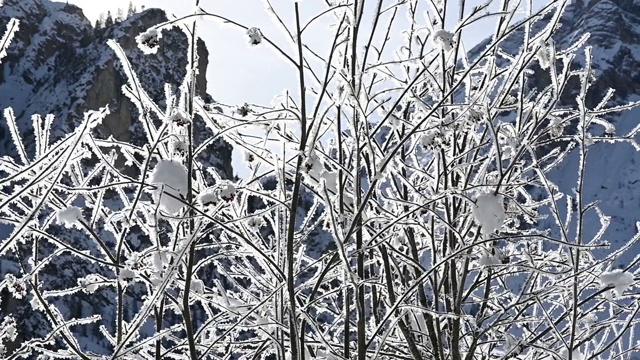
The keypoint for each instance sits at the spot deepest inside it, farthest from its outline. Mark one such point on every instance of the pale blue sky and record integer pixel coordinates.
(238, 72)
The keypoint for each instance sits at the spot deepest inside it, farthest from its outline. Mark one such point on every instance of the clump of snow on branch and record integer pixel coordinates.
(179, 118)
(90, 283)
(489, 259)
(489, 213)
(69, 216)
(197, 286)
(227, 191)
(15, 286)
(255, 36)
(170, 177)
(576, 355)
(313, 165)
(255, 223)
(148, 41)
(443, 39)
(8, 332)
(544, 54)
(125, 276)
(179, 147)
(208, 197)
(619, 279)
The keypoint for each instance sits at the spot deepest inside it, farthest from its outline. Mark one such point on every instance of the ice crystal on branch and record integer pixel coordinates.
(443, 39)
(12, 28)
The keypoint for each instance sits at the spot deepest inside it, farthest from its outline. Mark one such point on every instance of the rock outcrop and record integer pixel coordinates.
(59, 64)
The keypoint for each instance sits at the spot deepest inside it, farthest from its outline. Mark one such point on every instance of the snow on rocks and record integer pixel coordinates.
(619, 279)
(489, 213)
(171, 178)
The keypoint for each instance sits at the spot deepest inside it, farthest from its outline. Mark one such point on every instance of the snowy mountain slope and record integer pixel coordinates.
(612, 177)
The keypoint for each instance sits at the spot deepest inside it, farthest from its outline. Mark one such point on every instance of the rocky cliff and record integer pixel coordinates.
(59, 64)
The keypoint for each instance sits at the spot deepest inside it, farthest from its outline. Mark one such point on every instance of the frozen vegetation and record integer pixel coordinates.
(409, 199)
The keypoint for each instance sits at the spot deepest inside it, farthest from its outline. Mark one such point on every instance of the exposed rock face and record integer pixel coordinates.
(59, 64)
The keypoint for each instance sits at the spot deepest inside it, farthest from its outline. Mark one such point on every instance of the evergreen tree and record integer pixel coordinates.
(119, 15)
(109, 20)
(99, 23)
(131, 10)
